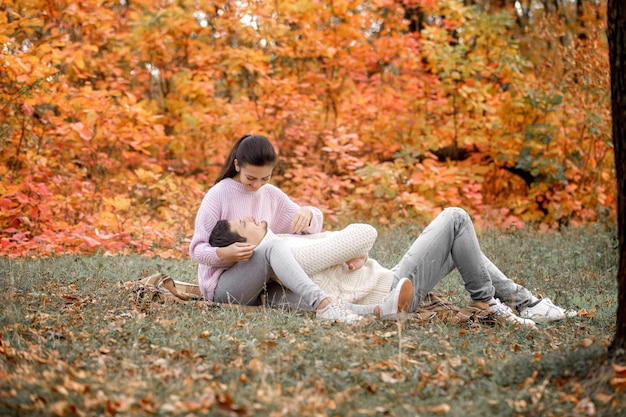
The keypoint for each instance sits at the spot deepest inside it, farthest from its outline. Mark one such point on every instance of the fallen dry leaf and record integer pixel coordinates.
(585, 407)
(442, 408)
(618, 383)
(603, 398)
(620, 370)
(587, 313)
(255, 365)
(586, 342)
(392, 377)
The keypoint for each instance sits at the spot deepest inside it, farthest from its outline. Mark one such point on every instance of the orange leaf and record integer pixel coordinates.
(619, 383)
(83, 131)
(620, 370)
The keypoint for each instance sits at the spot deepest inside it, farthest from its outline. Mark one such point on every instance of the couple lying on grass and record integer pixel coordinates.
(337, 263)
(238, 256)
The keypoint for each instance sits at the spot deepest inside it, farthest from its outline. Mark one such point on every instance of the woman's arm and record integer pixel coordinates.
(208, 214)
(287, 211)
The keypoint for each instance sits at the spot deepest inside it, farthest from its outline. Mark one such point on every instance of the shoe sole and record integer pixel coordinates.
(539, 318)
(406, 296)
(404, 300)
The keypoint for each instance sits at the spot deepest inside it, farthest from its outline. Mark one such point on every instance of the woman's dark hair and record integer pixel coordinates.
(222, 236)
(255, 150)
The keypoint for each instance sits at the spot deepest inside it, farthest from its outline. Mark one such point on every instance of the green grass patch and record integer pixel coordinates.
(73, 343)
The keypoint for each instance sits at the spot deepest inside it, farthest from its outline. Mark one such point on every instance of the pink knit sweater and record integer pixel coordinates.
(230, 200)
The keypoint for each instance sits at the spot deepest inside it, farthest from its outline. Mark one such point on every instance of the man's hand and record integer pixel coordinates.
(237, 252)
(302, 220)
(356, 263)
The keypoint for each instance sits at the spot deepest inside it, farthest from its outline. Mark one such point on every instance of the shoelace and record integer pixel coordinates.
(341, 307)
(500, 309)
(344, 310)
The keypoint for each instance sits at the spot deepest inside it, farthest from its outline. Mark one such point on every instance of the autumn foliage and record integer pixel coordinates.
(116, 116)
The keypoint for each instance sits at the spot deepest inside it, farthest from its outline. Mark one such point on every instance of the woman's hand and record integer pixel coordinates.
(302, 220)
(237, 252)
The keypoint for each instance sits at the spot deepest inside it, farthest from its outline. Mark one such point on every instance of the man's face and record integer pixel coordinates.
(253, 231)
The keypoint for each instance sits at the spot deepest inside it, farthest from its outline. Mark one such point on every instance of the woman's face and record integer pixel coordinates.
(253, 177)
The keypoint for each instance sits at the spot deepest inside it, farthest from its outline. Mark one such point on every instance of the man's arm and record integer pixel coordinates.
(318, 252)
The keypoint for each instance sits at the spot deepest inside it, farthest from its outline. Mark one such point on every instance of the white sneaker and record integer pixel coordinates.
(545, 310)
(337, 311)
(397, 301)
(503, 311)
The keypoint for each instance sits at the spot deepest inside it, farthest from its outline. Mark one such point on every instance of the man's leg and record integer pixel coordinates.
(244, 282)
(280, 297)
(508, 291)
(449, 241)
(520, 298)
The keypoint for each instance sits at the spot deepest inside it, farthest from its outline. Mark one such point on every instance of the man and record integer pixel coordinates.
(447, 243)
(336, 261)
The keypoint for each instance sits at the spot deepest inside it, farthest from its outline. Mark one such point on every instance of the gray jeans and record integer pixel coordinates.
(244, 282)
(450, 242)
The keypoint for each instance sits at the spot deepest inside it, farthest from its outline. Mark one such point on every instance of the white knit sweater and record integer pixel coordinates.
(323, 256)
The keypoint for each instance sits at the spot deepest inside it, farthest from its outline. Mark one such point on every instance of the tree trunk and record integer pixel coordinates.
(616, 32)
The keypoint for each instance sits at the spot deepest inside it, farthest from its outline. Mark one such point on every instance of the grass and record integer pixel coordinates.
(72, 343)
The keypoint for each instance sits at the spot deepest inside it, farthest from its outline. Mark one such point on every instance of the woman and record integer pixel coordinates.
(238, 272)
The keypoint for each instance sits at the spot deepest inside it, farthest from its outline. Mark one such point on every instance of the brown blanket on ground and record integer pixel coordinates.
(160, 288)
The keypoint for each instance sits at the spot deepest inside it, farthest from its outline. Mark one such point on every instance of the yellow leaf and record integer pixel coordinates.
(78, 60)
(119, 202)
(147, 176)
(106, 220)
(92, 48)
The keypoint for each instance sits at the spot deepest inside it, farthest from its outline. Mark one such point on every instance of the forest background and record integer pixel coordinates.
(115, 116)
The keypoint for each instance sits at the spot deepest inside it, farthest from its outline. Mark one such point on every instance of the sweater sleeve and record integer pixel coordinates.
(316, 222)
(209, 213)
(286, 210)
(318, 252)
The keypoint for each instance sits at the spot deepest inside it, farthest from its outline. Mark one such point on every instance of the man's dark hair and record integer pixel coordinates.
(222, 236)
